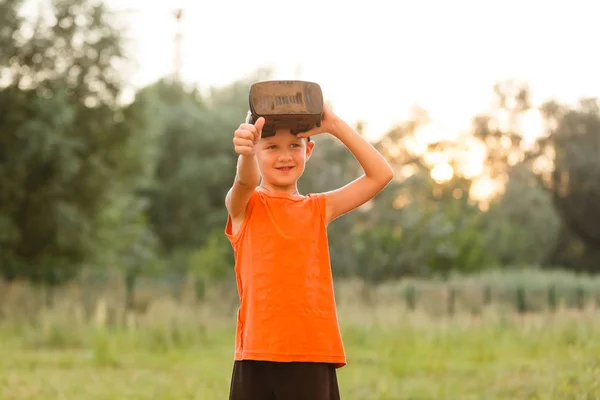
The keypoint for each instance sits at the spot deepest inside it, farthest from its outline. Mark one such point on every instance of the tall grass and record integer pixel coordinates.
(87, 345)
(83, 316)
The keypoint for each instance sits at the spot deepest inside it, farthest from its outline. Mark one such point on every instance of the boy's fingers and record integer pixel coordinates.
(309, 132)
(244, 134)
(247, 127)
(245, 151)
(243, 142)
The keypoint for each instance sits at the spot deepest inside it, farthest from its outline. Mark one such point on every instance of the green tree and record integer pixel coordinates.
(65, 143)
(573, 143)
(524, 224)
(193, 165)
(565, 161)
(419, 226)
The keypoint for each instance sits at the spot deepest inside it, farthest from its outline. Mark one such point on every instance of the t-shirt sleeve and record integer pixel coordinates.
(320, 203)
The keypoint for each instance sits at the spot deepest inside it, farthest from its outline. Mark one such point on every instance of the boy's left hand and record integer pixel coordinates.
(329, 124)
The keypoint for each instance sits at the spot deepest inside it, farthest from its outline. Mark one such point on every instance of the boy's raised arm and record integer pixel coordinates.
(247, 175)
(377, 171)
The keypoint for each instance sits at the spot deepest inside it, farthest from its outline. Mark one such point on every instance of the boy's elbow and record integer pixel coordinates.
(384, 178)
(388, 176)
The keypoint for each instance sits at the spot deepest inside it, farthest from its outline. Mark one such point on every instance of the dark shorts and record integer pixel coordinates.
(265, 380)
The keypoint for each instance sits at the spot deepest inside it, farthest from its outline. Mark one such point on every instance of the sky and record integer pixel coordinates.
(375, 60)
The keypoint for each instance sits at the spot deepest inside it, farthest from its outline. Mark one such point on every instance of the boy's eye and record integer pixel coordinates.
(272, 147)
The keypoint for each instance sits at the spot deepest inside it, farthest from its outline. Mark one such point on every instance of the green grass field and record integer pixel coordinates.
(391, 356)
(184, 351)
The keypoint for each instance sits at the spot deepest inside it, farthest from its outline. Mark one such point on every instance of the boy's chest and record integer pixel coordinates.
(282, 224)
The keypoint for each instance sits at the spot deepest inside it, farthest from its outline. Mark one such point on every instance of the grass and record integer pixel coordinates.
(184, 351)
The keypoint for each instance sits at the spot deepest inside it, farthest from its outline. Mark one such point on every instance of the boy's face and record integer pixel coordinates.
(282, 158)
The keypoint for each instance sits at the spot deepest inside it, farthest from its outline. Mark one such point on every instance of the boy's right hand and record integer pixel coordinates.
(246, 137)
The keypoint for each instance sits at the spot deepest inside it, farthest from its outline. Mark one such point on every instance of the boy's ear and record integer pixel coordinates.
(310, 145)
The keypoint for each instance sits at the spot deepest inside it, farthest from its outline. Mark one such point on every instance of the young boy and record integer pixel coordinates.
(288, 343)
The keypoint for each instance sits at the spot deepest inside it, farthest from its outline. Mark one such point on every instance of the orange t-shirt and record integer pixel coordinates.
(287, 306)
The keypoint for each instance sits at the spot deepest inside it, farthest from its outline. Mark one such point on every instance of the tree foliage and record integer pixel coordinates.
(566, 162)
(64, 141)
(574, 183)
(86, 181)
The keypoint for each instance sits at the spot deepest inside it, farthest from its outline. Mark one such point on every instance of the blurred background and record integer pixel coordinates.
(116, 121)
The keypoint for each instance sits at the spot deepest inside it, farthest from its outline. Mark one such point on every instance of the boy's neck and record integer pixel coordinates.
(274, 190)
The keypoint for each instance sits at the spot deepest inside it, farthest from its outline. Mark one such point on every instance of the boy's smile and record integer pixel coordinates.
(285, 169)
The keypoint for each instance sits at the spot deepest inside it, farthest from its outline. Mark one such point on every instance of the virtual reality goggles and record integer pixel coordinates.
(295, 105)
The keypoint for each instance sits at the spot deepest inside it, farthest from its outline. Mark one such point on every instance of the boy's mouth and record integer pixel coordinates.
(286, 168)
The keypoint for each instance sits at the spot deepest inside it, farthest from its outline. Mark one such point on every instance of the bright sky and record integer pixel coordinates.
(375, 59)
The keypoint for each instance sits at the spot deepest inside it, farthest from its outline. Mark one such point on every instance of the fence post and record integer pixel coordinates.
(552, 298)
(487, 295)
(521, 301)
(580, 297)
(411, 297)
(451, 300)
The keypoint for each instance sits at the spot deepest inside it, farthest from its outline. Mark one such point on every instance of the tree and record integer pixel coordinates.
(565, 161)
(66, 148)
(524, 223)
(193, 165)
(419, 226)
(573, 141)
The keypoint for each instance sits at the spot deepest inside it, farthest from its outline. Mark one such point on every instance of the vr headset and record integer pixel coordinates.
(295, 105)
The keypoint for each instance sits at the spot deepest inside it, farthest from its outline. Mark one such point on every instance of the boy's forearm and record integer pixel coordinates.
(248, 174)
(373, 163)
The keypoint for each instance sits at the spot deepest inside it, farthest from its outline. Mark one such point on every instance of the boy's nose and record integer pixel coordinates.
(285, 155)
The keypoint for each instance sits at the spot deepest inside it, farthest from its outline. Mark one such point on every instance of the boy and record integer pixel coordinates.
(288, 343)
